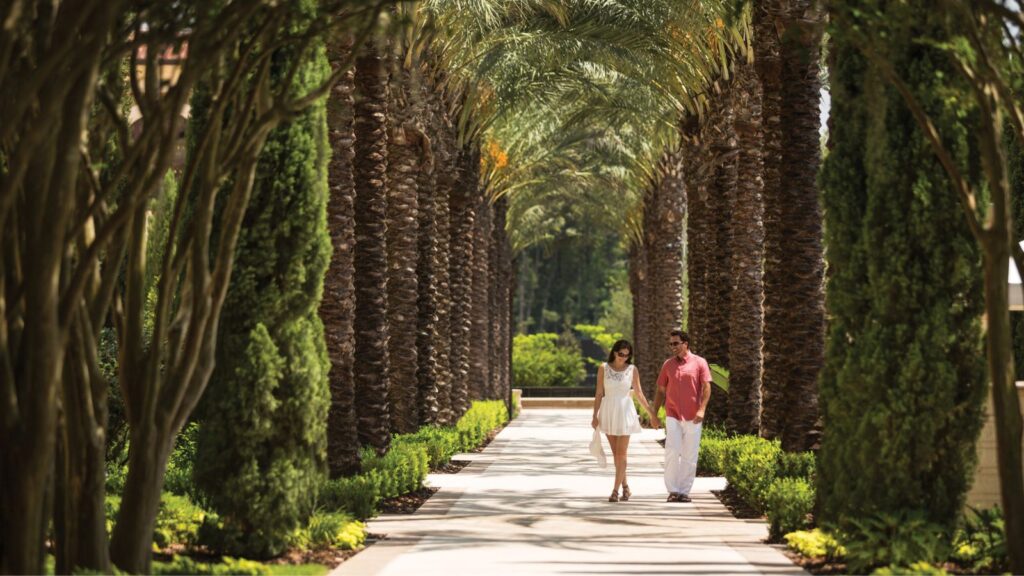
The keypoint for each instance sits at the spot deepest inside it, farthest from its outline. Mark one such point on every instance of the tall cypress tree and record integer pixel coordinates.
(905, 377)
(262, 443)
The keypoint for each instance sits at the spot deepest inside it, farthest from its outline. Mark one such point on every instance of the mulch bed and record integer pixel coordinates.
(816, 565)
(736, 504)
(406, 503)
(452, 467)
(490, 437)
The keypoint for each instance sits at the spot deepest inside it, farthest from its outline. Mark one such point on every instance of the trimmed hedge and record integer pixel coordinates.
(227, 565)
(329, 530)
(751, 465)
(404, 467)
(788, 503)
(815, 544)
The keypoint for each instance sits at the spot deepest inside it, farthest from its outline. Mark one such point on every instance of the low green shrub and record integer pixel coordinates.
(815, 544)
(358, 495)
(712, 454)
(546, 360)
(227, 565)
(980, 542)
(478, 421)
(902, 538)
(917, 568)
(645, 418)
(750, 467)
(788, 502)
(329, 530)
(440, 443)
(402, 469)
(796, 465)
(177, 521)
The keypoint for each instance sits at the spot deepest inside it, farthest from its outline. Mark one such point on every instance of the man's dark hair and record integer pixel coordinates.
(681, 335)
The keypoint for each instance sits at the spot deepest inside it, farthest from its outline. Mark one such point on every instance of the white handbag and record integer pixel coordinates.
(597, 449)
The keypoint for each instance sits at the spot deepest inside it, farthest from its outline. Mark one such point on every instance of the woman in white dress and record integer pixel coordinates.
(614, 412)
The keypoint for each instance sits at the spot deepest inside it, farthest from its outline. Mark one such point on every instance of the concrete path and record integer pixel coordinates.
(535, 502)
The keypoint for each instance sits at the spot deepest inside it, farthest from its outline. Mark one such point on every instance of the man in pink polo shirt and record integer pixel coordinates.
(684, 387)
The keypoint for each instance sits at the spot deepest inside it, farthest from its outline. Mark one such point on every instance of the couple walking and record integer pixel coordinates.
(684, 387)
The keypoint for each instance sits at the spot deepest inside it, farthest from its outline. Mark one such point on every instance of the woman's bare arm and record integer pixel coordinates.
(598, 395)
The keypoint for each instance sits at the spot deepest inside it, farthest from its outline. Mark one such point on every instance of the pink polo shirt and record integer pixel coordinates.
(682, 381)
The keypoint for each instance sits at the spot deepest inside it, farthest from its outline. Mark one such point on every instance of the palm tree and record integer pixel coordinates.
(767, 59)
(664, 216)
(802, 320)
(483, 298)
(404, 154)
(370, 175)
(464, 198)
(337, 309)
(442, 136)
(746, 245)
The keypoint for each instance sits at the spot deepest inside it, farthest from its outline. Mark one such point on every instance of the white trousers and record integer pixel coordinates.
(682, 442)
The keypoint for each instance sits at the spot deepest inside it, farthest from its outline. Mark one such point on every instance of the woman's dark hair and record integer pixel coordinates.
(619, 345)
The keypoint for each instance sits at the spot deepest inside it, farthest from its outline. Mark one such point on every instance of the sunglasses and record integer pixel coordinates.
(674, 344)
(622, 354)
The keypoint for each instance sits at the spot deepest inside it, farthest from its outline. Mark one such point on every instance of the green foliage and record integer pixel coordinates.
(921, 568)
(178, 520)
(796, 465)
(481, 418)
(719, 376)
(404, 467)
(898, 538)
(261, 453)
(599, 334)
(815, 544)
(617, 310)
(787, 504)
(227, 565)
(645, 418)
(329, 530)
(541, 360)
(904, 380)
(358, 495)
(751, 467)
(440, 443)
(980, 542)
(178, 478)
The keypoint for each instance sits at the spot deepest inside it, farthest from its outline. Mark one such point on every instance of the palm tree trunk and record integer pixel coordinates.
(664, 213)
(403, 156)
(337, 308)
(445, 174)
(721, 142)
(747, 247)
(482, 294)
(769, 70)
(370, 175)
(463, 219)
(697, 229)
(804, 319)
(428, 334)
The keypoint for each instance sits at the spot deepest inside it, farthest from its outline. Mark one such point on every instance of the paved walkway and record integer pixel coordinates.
(535, 502)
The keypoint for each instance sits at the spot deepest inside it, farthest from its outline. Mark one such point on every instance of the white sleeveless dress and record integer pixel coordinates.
(617, 415)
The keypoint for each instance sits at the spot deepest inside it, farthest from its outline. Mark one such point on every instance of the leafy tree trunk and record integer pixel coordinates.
(261, 449)
(370, 175)
(402, 226)
(464, 199)
(768, 62)
(337, 308)
(905, 382)
(803, 319)
(747, 247)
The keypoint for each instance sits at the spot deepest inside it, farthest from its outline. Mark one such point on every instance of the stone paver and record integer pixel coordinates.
(535, 502)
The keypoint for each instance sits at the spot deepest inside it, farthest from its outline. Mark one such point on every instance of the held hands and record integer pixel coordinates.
(655, 421)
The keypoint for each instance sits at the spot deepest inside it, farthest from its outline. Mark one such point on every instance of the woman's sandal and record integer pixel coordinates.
(614, 497)
(625, 493)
